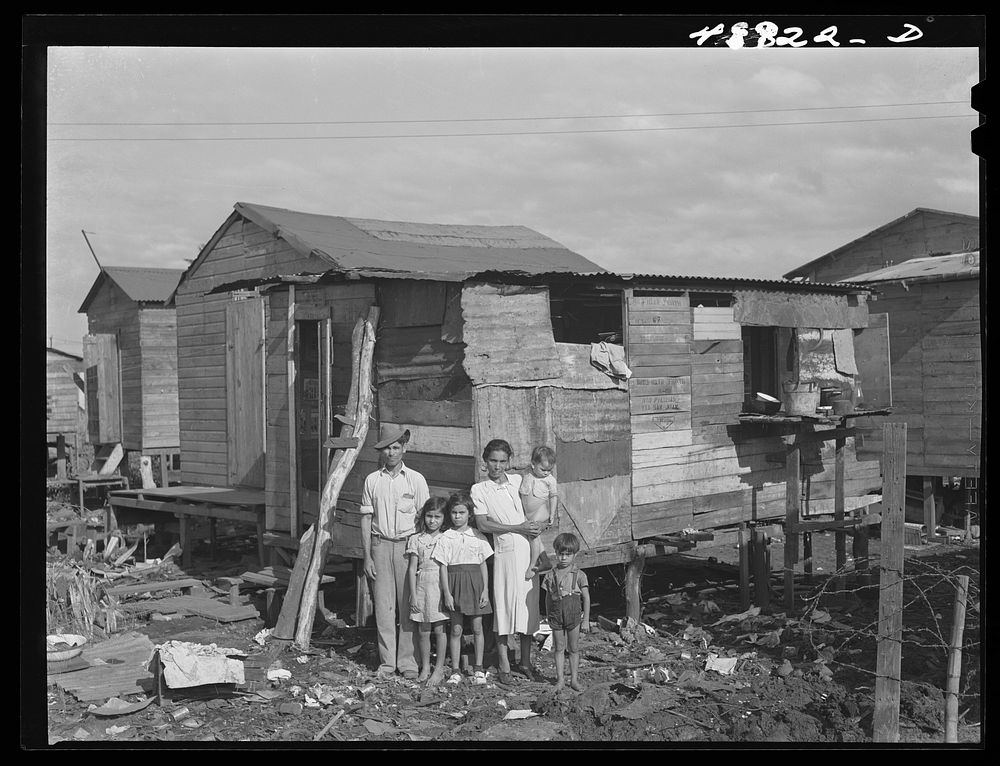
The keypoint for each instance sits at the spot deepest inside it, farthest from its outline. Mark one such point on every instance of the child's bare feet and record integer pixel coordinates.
(560, 684)
(423, 676)
(576, 686)
(436, 677)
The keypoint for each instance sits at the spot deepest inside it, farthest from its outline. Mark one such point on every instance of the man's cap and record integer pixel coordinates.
(389, 434)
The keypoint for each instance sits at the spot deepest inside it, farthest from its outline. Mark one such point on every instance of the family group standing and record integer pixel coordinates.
(427, 561)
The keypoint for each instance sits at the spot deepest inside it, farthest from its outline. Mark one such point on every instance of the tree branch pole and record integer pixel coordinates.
(955, 661)
(343, 462)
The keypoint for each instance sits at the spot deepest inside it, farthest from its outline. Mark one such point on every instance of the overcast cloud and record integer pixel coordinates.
(753, 201)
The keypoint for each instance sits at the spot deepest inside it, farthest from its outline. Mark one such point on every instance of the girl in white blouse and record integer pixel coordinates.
(462, 552)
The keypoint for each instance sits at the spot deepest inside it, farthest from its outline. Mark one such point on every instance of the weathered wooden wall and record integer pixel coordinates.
(158, 372)
(693, 464)
(64, 399)
(112, 312)
(242, 251)
(936, 352)
(926, 233)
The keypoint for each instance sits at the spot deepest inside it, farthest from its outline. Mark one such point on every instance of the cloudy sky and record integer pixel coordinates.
(626, 159)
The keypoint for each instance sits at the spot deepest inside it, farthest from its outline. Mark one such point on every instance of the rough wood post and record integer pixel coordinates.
(633, 584)
(60, 457)
(761, 569)
(184, 532)
(839, 537)
(807, 554)
(930, 516)
(885, 720)
(344, 462)
(744, 566)
(793, 501)
(955, 660)
(164, 468)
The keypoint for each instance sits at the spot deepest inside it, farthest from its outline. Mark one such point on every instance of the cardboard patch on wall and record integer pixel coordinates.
(582, 460)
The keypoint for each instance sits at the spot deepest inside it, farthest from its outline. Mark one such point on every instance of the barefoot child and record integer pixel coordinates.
(539, 497)
(567, 601)
(462, 553)
(426, 604)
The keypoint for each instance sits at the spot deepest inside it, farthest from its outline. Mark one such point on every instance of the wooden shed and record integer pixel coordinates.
(920, 233)
(488, 332)
(931, 306)
(130, 355)
(65, 404)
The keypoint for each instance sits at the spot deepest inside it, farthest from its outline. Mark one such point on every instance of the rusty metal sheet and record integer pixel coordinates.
(593, 416)
(522, 416)
(580, 460)
(576, 372)
(508, 334)
(594, 505)
(777, 309)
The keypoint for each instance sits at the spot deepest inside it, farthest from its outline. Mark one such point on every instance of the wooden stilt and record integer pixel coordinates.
(807, 555)
(261, 555)
(212, 537)
(164, 468)
(633, 584)
(61, 457)
(888, 657)
(793, 501)
(761, 569)
(930, 514)
(184, 531)
(839, 537)
(744, 567)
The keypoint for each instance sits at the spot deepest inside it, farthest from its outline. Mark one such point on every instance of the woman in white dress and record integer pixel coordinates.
(499, 512)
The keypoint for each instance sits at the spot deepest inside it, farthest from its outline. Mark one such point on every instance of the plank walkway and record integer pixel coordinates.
(117, 666)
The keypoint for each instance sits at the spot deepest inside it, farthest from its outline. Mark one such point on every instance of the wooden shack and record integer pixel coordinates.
(931, 306)
(65, 405)
(920, 233)
(130, 355)
(488, 332)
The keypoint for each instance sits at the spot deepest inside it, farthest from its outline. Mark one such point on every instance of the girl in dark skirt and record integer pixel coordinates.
(462, 552)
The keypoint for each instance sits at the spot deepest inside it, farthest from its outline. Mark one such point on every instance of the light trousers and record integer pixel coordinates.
(391, 592)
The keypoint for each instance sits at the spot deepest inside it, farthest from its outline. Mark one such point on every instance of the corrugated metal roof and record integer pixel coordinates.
(929, 268)
(140, 284)
(362, 243)
(800, 270)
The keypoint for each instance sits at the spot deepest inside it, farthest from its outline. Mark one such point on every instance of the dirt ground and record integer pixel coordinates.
(698, 669)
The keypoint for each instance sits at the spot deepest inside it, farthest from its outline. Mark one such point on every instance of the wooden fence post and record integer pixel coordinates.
(761, 569)
(955, 661)
(885, 720)
(839, 537)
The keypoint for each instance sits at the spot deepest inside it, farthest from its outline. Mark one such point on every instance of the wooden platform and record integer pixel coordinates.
(115, 667)
(188, 502)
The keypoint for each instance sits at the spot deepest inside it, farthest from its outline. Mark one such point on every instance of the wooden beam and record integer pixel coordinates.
(823, 525)
(888, 658)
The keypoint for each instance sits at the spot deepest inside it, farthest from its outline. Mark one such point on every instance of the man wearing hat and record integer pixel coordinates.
(390, 502)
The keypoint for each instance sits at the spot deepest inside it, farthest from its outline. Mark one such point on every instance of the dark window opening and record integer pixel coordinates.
(707, 300)
(764, 363)
(586, 316)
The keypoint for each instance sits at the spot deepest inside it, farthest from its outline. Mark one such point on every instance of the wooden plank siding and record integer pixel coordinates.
(693, 464)
(936, 371)
(158, 345)
(242, 251)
